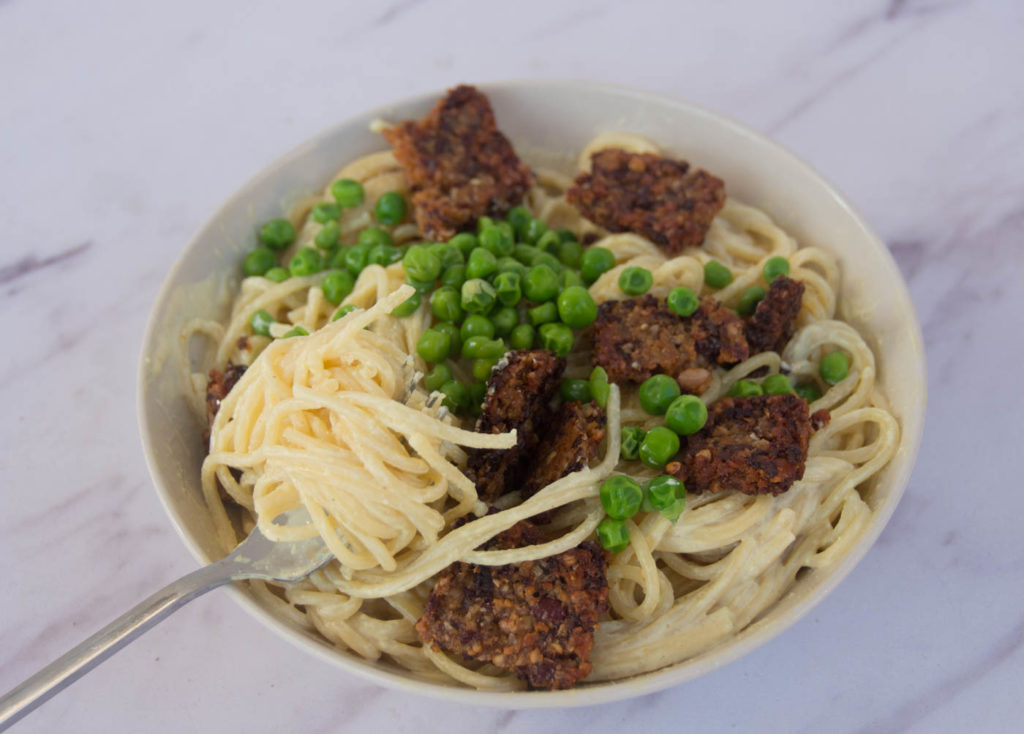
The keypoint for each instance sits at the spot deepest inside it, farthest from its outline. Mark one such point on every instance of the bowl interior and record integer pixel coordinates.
(541, 117)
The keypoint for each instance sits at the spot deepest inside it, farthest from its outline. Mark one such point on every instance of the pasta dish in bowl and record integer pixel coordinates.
(584, 403)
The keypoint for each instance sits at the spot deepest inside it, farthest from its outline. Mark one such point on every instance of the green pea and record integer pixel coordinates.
(521, 337)
(328, 236)
(448, 254)
(383, 255)
(337, 258)
(374, 236)
(481, 263)
(686, 415)
(526, 254)
(596, 261)
(439, 375)
(575, 391)
(508, 288)
(613, 535)
(421, 264)
(519, 217)
(716, 275)
(833, 367)
(259, 261)
(408, 306)
(306, 261)
(534, 231)
(632, 437)
(478, 296)
(423, 286)
(657, 393)
(260, 322)
(348, 192)
(277, 234)
(465, 242)
(745, 389)
(634, 281)
(356, 258)
(569, 278)
(576, 307)
(482, 367)
(540, 283)
(545, 313)
(777, 385)
(390, 208)
(808, 392)
(683, 301)
(453, 334)
(277, 274)
(567, 235)
(774, 267)
(295, 331)
(498, 239)
(511, 265)
(445, 304)
(749, 300)
(434, 345)
(454, 276)
(477, 393)
(659, 446)
(570, 253)
(667, 495)
(621, 496)
(477, 347)
(549, 242)
(599, 386)
(546, 258)
(483, 223)
(504, 319)
(336, 285)
(477, 325)
(456, 396)
(325, 211)
(557, 338)
(344, 311)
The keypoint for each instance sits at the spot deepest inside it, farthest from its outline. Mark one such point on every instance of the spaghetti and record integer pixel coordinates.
(337, 422)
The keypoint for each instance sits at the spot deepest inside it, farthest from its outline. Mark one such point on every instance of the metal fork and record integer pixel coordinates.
(255, 558)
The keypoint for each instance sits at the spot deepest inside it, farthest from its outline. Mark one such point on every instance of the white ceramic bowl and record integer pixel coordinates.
(548, 116)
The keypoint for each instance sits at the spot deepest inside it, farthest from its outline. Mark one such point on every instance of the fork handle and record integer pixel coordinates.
(71, 666)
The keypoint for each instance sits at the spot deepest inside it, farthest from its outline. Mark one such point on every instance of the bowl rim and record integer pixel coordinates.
(747, 640)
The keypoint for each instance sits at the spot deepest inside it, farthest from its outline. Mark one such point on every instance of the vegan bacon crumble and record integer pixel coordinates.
(757, 445)
(536, 618)
(657, 197)
(518, 397)
(459, 165)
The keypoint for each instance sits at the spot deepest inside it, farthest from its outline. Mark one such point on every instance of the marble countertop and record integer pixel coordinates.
(124, 125)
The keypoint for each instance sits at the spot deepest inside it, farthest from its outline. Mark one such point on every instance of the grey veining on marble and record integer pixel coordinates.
(123, 125)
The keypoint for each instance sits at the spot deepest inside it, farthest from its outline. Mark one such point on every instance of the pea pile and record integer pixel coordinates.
(513, 284)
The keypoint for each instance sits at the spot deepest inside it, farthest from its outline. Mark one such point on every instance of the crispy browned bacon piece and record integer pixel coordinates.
(536, 618)
(459, 165)
(650, 195)
(757, 445)
(218, 387)
(518, 396)
(641, 337)
(717, 333)
(772, 323)
(568, 445)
